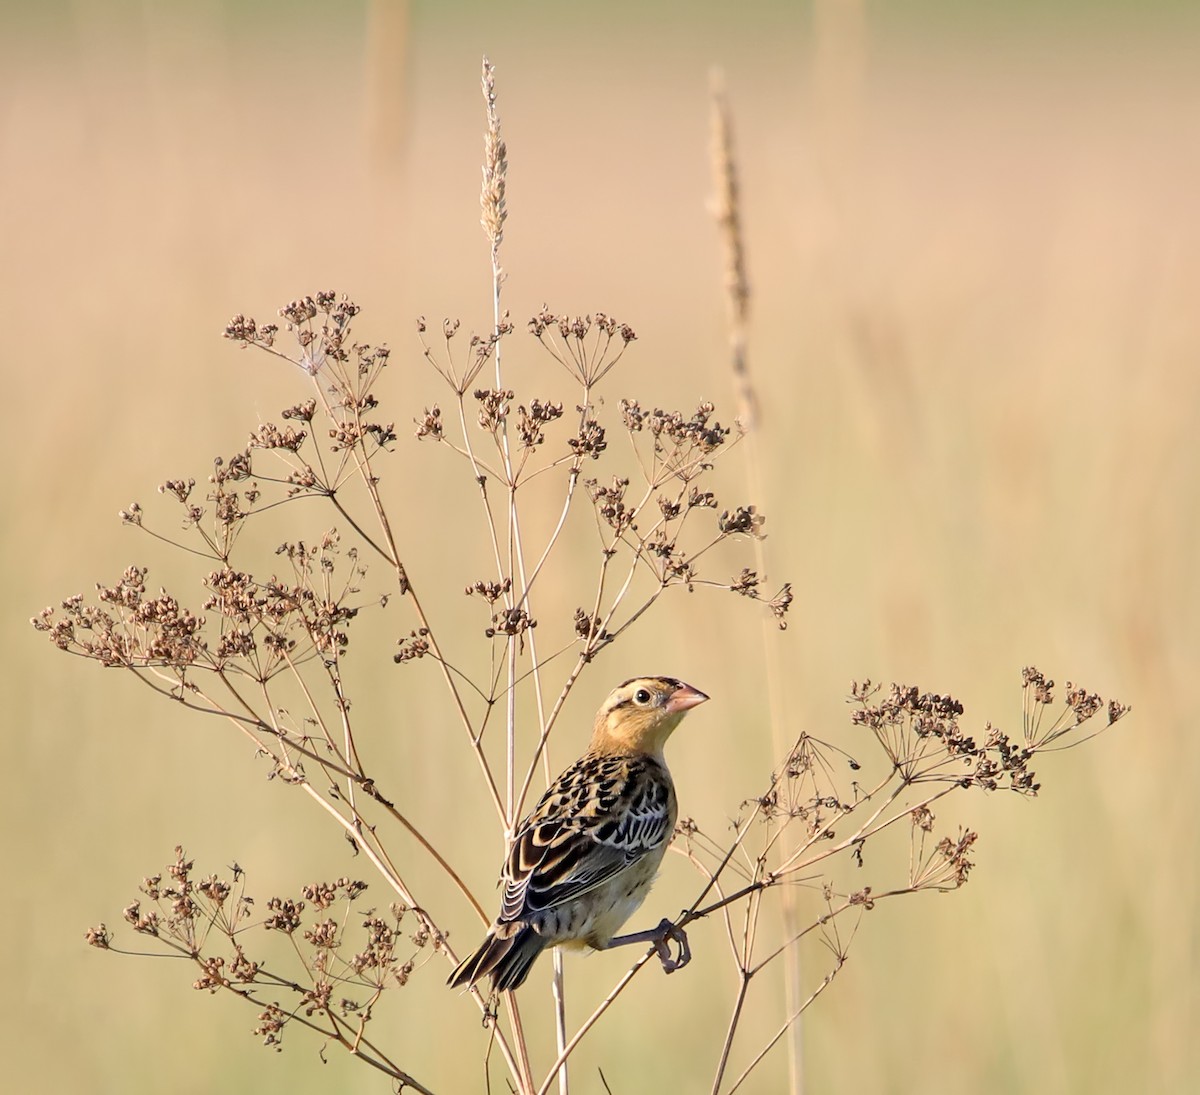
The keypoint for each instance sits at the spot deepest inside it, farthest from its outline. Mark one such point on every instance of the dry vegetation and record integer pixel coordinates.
(266, 651)
(972, 347)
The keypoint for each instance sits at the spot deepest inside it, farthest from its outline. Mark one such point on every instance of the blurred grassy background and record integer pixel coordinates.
(974, 247)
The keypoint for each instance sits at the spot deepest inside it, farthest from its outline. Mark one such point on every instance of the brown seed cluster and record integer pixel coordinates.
(430, 423)
(674, 430)
(744, 519)
(490, 591)
(343, 958)
(586, 346)
(922, 737)
(590, 440)
(493, 407)
(1081, 705)
(126, 627)
(413, 646)
(260, 626)
(681, 449)
(511, 622)
(610, 503)
(533, 420)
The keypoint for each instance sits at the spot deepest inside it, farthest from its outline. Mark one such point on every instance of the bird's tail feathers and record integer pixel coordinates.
(507, 958)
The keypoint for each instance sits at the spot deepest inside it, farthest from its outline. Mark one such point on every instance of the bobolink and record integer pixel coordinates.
(583, 861)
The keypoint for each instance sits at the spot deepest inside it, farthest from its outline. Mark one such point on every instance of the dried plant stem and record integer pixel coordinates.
(351, 773)
(546, 723)
(557, 988)
(786, 1025)
(591, 1021)
(518, 1064)
(727, 211)
(731, 1030)
(524, 1071)
(421, 839)
(357, 1044)
(550, 720)
(390, 552)
(494, 214)
(558, 980)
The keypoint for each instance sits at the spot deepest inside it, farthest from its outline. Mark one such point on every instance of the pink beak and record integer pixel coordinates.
(684, 698)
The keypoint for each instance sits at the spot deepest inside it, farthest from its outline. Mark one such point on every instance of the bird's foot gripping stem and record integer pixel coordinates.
(666, 933)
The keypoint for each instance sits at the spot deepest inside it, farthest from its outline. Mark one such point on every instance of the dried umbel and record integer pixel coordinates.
(341, 955)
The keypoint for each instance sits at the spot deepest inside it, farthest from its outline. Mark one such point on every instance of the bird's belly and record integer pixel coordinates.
(601, 913)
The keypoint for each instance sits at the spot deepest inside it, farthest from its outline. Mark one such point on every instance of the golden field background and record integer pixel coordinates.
(974, 244)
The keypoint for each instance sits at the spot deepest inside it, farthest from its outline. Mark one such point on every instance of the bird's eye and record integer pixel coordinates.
(641, 697)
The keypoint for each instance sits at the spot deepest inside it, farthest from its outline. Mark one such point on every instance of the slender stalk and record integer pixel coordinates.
(785, 1026)
(494, 214)
(731, 1029)
(727, 211)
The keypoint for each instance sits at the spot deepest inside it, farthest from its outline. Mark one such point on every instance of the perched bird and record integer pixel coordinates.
(583, 861)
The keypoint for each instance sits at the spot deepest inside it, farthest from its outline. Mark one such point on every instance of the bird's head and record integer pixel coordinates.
(640, 714)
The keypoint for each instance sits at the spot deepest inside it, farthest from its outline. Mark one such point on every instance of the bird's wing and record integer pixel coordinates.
(600, 816)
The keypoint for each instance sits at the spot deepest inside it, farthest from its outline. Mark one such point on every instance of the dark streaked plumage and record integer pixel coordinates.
(583, 861)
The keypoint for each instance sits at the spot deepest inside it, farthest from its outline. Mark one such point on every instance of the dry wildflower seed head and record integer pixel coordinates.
(284, 915)
(682, 443)
(590, 440)
(744, 519)
(490, 591)
(241, 329)
(215, 889)
(1035, 680)
(248, 333)
(298, 312)
(779, 605)
(745, 583)
(696, 430)
(270, 436)
(270, 1026)
(241, 968)
(493, 407)
(632, 415)
(589, 627)
(413, 646)
(863, 898)
(610, 503)
(955, 854)
(430, 424)
(98, 937)
(511, 622)
(922, 818)
(301, 411)
(145, 923)
(182, 489)
(1085, 704)
(585, 346)
(532, 421)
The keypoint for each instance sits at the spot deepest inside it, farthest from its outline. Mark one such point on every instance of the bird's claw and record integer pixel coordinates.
(662, 945)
